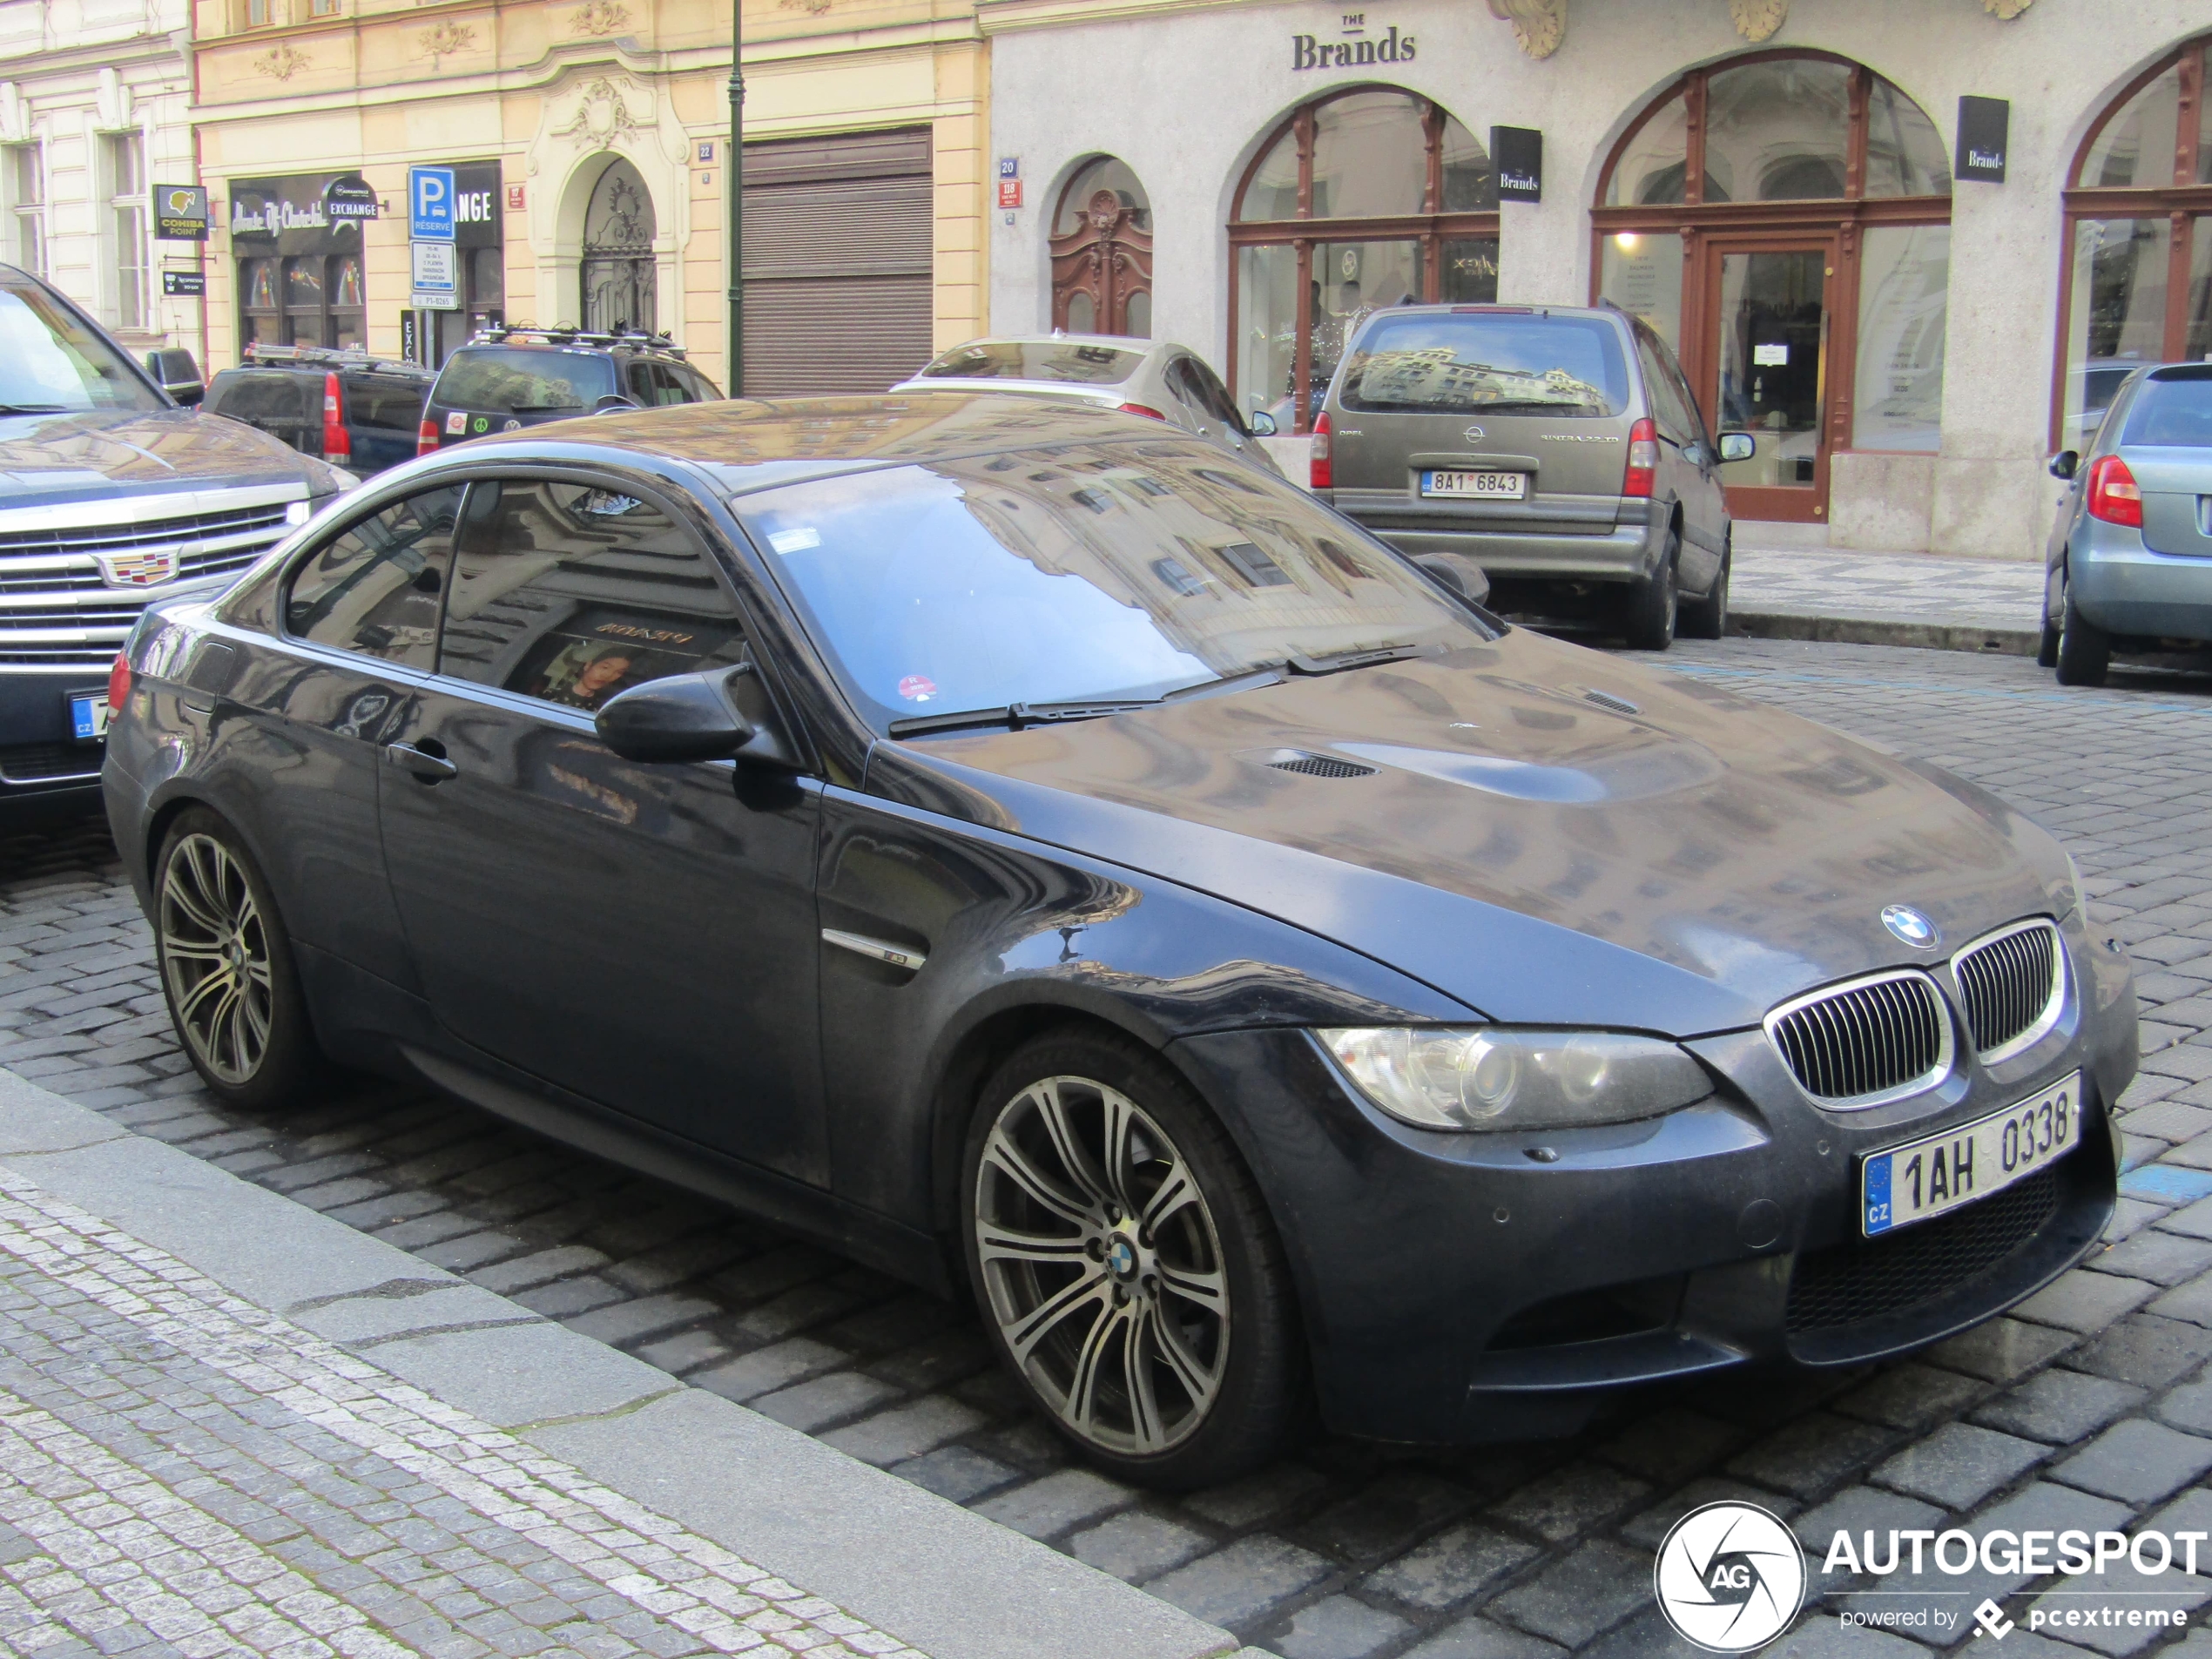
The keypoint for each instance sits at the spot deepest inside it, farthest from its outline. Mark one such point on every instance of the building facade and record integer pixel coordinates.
(93, 112)
(1906, 328)
(588, 141)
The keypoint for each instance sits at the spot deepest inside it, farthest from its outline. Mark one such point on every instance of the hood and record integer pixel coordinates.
(47, 460)
(1667, 855)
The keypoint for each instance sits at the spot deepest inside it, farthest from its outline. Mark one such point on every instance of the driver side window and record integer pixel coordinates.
(374, 588)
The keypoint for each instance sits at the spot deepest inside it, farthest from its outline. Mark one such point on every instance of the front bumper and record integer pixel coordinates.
(1457, 1290)
(2125, 588)
(1525, 548)
(43, 769)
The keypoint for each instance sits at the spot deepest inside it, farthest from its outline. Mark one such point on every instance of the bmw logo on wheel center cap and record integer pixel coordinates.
(1911, 926)
(1121, 1258)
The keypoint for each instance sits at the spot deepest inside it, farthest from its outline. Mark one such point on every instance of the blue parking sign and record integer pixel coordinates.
(429, 204)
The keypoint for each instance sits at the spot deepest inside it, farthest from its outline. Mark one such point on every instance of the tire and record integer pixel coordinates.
(1707, 618)
(227, 969)
(2084, 649)
(1149, 1314)
(1648, 617)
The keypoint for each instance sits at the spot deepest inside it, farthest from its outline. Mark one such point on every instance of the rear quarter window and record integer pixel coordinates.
(1497, 362)
(516, 379)
(275, 398)
(391, 406)
(1035, 360)
(2172, 409)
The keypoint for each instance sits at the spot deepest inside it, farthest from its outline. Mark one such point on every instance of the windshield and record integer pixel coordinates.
(1080, 573)
(520, 380)
(1039, 359)
(1467, 363)
(2172, 409)
(50, 360)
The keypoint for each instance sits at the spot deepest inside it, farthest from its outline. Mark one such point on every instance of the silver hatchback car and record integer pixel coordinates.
(1155, 378)
(2128, 566)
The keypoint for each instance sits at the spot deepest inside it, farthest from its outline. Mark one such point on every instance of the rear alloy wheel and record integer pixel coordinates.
(1707, 618)
(226, 968)
(1648, 618)
(1125, 1265)
(2084, 649)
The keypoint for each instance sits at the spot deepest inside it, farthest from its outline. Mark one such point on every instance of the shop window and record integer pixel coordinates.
(1102, 252)
(26, 182)
(123, 170)
(1735, 218)
(307, 300)
(2137, 285)
(1411, 199)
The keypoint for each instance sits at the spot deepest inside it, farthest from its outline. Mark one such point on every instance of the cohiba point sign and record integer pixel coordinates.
(1360, 46)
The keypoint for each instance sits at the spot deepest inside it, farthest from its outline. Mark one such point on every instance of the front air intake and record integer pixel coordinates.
(1860, 1044)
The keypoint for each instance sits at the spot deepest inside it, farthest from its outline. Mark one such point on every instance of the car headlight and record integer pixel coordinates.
(1498, 1077)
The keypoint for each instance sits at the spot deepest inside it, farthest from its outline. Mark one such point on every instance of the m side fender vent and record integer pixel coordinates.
(1314, 766)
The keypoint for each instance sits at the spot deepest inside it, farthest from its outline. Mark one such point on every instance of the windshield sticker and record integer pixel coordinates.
(796, 541)
(917, 688)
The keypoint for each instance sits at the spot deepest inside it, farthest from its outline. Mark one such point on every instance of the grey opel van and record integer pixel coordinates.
(1558, 447)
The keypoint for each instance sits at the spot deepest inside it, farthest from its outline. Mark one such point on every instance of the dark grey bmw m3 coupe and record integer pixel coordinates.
(1007, 843)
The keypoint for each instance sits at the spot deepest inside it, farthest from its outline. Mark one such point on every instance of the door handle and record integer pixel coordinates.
(426, 760)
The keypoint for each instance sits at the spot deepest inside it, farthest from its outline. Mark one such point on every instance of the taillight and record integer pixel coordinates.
(1644, 459)
(336, 446)
(2113, 495)
(426, 437)
(1144, 410)
(118, 683)
(1322, 475)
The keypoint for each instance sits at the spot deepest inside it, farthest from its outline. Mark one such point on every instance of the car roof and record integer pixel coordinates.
(751, 443)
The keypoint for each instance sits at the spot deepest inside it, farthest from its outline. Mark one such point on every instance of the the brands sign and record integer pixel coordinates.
(1983, 128)
(1359, 45)
(1518, 154)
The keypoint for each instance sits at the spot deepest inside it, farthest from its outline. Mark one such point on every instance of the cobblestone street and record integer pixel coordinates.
(2082, 1409)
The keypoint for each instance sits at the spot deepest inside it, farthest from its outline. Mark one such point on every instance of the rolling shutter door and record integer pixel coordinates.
(837, 262)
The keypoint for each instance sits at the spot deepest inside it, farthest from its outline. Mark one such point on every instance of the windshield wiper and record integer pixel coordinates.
(1014, 716)
(34, 409)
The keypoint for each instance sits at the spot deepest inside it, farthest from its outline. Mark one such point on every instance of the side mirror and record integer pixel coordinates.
(686, 717)
(2066, 463)
(614, 400)
(1737, 446)
(1458, 573)
(1260, 424)
(175, 373)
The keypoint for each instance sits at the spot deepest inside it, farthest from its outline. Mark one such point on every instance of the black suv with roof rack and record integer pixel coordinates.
(516, 375)
(347, 407)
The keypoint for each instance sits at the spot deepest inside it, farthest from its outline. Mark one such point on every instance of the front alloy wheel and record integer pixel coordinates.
(215, 959)
(1126, 1267)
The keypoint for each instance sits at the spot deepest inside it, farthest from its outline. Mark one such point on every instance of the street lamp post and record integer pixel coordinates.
(733, 168)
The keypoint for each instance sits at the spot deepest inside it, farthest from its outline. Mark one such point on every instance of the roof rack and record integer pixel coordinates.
(260, 351)
(630, 339)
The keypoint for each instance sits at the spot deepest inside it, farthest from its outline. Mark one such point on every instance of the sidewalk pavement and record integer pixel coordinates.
(1992, 605)
(230, 1425)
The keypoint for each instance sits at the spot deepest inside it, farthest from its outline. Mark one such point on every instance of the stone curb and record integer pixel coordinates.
(938, 1576)
(1921, 633)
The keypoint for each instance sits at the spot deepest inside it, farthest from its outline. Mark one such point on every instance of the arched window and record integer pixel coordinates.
(620, 290)
(1367, 197)
(2138, 286)
(1783, 221)
(1102, 252)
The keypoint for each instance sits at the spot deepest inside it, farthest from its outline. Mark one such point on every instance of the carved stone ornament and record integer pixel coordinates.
(812, 8)
(12, 124)
(281, 62)
(2006, 10)
(1756, 20)
(1539, 25)
(447, 38)
(600, 18)
(601, 117)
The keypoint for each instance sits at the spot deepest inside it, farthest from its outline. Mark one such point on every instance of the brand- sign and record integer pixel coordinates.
(1518, 154)
(1358, 44)
(1983, 130)
(429, 204)
(179, 213)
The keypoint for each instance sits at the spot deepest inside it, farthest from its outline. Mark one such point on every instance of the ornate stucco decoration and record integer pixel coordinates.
(281, 62)
(1755, 20)
(813, 8)
(13, 127)
(2006, 10)
(1539, 25)
(447, 38)
(601, 117)
(600, 18)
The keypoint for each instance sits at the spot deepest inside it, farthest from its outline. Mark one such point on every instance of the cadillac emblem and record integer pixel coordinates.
(146, 569)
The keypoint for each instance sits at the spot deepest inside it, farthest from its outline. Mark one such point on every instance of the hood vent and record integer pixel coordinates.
(1314, 766)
